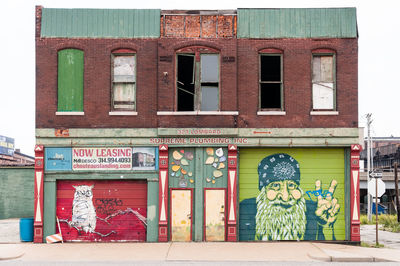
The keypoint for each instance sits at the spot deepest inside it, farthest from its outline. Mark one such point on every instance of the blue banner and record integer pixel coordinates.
(59, 159)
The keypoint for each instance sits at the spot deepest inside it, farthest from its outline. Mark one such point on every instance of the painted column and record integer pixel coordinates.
(38, 197)
(355, 192)
(232, 193)
(163, 193)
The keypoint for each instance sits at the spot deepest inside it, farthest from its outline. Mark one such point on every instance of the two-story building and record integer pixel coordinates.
(214, 125)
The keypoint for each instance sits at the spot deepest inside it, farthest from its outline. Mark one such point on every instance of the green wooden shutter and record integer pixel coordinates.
(70, 80)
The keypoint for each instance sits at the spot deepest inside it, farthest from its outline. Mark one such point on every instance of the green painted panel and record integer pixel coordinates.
(182, 168)
(347, 189)
(49, 209)
(100, 23)
(288, 205)
(198, 198)
(152, 211)
(70, 80)
(201, 166)
(16, 192)
(297, 23)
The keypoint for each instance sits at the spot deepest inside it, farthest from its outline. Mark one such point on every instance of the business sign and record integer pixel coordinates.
(6, 146)
(102, 158)
(144, 158)
(59, 159)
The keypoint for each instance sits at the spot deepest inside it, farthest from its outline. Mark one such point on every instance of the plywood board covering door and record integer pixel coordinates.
(214, 214)
(181, 214)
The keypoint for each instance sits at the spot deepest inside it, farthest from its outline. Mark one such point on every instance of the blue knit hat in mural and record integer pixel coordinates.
(278, 167)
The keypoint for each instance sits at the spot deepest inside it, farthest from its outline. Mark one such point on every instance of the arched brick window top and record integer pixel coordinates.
(323, 51)
(123, 51)
(197, 49)
(271, 51)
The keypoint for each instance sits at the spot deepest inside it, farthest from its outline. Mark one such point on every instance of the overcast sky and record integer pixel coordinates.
(378, 27)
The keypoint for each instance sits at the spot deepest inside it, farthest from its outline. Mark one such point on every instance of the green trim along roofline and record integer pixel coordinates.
(270, 23)
(100, 23)
(267, 23)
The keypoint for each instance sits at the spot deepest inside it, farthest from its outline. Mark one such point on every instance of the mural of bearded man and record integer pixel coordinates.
(280, 211)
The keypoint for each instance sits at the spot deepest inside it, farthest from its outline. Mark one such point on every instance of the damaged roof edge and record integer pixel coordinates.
(228, 12)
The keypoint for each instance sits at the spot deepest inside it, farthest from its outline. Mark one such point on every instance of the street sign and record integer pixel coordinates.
(375, 174)
(381, 187)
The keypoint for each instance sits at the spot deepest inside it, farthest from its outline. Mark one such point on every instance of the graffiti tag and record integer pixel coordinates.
(319, 192)
(107, 205)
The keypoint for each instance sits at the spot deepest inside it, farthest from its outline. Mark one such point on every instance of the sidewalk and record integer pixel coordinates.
(12, 248)
(275, 251)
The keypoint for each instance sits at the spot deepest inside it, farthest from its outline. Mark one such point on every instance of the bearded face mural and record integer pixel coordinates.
(282, 210)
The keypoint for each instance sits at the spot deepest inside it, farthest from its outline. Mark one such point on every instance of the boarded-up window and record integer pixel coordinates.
(323, 82)
(123, 82)
(70, 80)
(197, 82)
(271, 81)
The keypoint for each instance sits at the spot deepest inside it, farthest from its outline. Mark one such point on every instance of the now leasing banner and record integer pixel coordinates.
(102, 158)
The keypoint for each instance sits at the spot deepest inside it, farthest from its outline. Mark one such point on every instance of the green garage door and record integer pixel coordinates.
(292, 194)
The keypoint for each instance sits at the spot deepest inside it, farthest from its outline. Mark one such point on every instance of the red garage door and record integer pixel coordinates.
(91, 210)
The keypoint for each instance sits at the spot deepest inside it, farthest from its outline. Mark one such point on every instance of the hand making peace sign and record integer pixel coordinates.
(328, 207)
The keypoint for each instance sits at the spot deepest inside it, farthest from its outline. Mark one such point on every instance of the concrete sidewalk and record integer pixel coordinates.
(218, 252)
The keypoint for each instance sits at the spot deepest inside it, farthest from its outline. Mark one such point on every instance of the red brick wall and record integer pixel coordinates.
(238, 84)
(297, 74)
(97, 83)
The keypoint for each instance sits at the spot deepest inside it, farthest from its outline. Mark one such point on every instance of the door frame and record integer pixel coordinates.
(191, 211)
(204, 210)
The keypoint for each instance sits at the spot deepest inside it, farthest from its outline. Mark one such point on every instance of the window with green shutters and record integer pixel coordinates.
(70, 80)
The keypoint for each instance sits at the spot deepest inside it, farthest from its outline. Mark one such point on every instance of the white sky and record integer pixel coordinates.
(378, 27)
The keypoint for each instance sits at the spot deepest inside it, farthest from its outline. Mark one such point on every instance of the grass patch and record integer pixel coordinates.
(388, 222)
(369, 245)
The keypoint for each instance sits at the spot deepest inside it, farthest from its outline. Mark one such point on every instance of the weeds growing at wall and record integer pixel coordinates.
(388, 222)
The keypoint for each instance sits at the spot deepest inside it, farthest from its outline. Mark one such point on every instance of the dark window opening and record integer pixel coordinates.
(270, 95)
(270, 82)
(185, 83)
(197, 82)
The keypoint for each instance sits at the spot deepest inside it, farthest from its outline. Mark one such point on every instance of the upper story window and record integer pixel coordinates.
(70, 80)
(197, 80)
(323, 81)
(270, 80)
(123, 80)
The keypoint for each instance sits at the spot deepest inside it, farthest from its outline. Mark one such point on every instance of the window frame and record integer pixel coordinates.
(196, 52)
(271, 52)
(114, 54)
(319, 53)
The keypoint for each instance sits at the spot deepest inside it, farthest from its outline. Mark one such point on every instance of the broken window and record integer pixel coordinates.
(323, 82)
(197, 82)
(123, 81)
(271, 81)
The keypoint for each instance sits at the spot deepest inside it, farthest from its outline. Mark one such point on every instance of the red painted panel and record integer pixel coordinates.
(108, 211)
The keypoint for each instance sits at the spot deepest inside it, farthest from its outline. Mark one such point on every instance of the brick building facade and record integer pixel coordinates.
(187, 111)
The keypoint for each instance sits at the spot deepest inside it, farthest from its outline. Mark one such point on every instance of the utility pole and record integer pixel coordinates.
(396, 186)
(369, 151)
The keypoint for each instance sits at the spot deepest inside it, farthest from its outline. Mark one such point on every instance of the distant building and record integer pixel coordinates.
(9, 156)
(386, 152)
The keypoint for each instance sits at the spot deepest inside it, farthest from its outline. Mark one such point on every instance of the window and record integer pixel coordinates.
(323, 82)
(123, 80)
(70, 80)
(197, 81)
(271, 83)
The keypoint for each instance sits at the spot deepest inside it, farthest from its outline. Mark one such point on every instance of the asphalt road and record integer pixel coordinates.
(194, 263)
